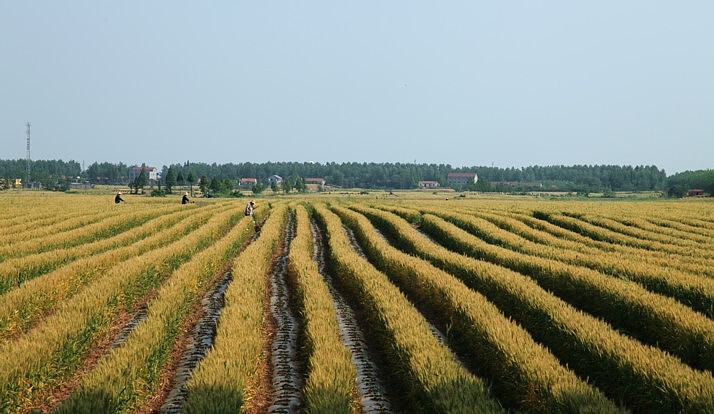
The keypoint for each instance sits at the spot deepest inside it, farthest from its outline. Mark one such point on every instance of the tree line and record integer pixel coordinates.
(221, 177)
(407, 175)
(678, 185)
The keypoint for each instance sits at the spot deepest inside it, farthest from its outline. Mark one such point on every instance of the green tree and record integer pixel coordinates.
(191, 179)
(482, 185)
(140, 181)
(203, 183)
(170, 179)
(287, 186)
(227, 185)
(300, 184)
(676, 190)
(215, 185)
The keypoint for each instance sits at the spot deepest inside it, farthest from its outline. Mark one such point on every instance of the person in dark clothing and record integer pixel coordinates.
(117, 198)
(184, 199)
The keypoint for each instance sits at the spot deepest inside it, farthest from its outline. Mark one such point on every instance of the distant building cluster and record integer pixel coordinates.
(249, 182)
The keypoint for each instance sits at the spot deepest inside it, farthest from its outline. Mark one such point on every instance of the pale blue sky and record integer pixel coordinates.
(466, 83)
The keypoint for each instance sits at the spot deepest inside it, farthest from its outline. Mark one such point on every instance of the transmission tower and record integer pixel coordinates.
(27, 177)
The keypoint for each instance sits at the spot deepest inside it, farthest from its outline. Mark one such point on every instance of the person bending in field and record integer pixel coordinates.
(249, 208)
(117, 198)
(184, 199)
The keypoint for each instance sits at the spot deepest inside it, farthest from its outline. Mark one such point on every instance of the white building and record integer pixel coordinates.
(152, 174)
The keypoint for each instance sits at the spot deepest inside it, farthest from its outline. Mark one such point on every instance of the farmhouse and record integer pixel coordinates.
(461, 178)
(6, 183)
(152, 174)
(695, 192)
(428, 184)
(78, 184)
(317, 181)
(247, 182)
(275, 179)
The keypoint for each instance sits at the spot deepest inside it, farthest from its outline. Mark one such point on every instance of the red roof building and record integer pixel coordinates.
(318, 181)
(247, 182)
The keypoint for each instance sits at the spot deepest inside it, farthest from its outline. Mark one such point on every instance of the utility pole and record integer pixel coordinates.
(27, 175)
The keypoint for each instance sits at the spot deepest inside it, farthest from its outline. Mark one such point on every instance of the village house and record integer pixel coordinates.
(152, 174)
(247, 182)
(79, 184)
(461, 178)
(275, 179)
(316, 181)
(428, 184)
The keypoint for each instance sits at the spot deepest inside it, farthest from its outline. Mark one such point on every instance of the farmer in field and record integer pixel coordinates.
(249, 208)
(117, 198)
(184, 199)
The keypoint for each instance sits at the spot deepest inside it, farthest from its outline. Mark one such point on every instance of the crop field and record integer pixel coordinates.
(355, 304)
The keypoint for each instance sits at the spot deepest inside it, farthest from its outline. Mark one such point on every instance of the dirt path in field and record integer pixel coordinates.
(198, 344)
(201, 339)
(373, 397)
(286, 370)
(131, 324)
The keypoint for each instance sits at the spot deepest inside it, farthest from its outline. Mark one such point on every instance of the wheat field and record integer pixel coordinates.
(355, 303)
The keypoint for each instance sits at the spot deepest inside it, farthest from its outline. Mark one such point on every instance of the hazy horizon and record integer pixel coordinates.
(513, 84)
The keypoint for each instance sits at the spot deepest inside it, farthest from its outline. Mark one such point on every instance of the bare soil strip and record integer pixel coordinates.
(198, 345)
(199, 342)
(129, 326)
(373, 397)
(286, 369)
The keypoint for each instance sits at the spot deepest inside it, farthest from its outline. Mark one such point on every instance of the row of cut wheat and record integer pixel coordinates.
(40, 217)
(525, 375)
(32, 364)
(98, 230)
(531, 258)
(129, 377)
(330, 374)
(630, 230)
(655, 319)
(660, 228)
(229, 377)
(22, 307)
(582, 242)
(623, 219)
(423, 371)
(17, 270)
(601, 234)
(644, 377)
(614, 260)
